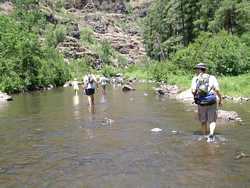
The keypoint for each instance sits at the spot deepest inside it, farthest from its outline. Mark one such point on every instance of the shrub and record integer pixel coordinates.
(24, 63)
(163, 71)
(224, 54)
(78, 68)
(87, 35)
(55, 35)
(106, 52)
(109, 71)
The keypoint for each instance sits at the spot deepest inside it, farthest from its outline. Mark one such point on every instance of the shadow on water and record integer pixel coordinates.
(54, 139)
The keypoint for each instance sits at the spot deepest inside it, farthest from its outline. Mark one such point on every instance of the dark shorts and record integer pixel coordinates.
(207, 113)
(89, 91)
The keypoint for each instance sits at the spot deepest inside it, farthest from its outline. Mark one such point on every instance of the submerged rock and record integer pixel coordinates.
(107, 121)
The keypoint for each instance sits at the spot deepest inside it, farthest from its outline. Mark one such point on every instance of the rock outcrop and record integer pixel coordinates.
(72, 49)
(127, 42)
(6, 7)
(117, 6)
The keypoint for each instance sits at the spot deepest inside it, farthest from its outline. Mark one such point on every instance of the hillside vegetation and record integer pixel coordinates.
(184, 33)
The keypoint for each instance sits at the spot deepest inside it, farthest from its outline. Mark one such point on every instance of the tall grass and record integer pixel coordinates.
(236, 85)
(78, 68)
(170, 74)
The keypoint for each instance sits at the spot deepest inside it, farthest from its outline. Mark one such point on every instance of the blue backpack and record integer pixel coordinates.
(203, 95)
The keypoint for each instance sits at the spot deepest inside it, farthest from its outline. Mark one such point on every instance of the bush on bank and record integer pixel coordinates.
(25, 63)
(171, 74)
(224, 54)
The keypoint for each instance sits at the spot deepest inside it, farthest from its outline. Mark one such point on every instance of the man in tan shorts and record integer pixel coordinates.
(207, 109)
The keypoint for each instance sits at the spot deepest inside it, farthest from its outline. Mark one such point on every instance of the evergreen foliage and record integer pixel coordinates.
(174, 24)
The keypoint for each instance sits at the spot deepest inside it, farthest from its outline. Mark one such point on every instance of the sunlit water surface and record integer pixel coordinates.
(52, 139)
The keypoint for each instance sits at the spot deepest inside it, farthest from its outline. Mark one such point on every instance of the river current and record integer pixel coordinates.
(52, 139)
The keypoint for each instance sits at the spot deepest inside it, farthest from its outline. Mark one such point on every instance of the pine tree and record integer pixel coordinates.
(170, 26)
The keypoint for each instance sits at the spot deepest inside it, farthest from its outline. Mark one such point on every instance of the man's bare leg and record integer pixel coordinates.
(212, 126)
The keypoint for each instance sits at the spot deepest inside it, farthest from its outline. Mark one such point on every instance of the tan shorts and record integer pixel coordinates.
(207, 113)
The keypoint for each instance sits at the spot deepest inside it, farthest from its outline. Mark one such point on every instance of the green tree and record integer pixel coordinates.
(224, 54)
(232, 16)
(170, 26)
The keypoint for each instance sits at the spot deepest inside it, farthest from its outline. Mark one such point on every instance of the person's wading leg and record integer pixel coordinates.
(90, 100)
(212, 128)
(203, 117)
(204, 128)
(212, 116)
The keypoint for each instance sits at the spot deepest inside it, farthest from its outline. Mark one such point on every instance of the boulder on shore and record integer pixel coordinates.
(167, 90)
(5, 97)
(127, 87)
(228, 115)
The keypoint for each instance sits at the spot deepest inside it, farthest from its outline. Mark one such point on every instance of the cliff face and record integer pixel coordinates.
(6, 7)
(115, 21)
(104, 5)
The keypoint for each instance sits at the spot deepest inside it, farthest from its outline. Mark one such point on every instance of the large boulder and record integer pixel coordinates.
(73, 30)
(171, 90)
(120, 8)
(186, 96)
(228, 115)
(5, 97)
(127, 87)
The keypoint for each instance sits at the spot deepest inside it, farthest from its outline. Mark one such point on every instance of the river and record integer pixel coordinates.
(52, 139)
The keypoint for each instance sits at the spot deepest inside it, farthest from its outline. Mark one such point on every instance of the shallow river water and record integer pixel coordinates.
(52, 139)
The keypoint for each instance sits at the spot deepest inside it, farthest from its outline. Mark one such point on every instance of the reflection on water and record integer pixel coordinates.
(4, 105)
(75, 100)
(91, 109)
(54, 139)
(76, 111)
(103, 98)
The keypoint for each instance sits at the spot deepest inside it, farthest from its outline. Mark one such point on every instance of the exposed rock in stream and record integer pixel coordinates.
(127, 87)
(167, 90)
(241, 155)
